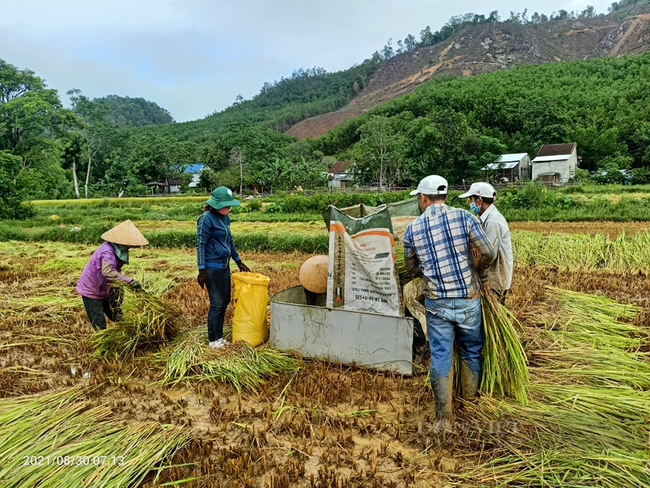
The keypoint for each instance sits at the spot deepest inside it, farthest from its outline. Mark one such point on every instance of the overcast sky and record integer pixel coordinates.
(193, 57)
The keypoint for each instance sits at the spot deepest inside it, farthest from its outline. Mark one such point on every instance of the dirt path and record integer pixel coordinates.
(634, 23)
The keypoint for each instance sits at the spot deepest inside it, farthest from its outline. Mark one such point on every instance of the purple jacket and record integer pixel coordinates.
(103, 267)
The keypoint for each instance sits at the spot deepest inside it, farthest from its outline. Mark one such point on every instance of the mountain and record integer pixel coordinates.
(493, 46)
(125, 111)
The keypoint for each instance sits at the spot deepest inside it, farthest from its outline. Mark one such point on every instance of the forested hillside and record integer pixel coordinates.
(307, 92)
(474, 44)
(125, 111)
(602, 104)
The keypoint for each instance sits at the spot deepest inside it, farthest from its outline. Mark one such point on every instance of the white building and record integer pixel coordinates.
(555, 163)
(509, 167)
(195, 171)
(174, 186)
(338, 176)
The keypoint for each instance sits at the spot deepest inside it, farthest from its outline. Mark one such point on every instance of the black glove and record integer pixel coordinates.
(242, 267)
(135, 285)
(201, 278)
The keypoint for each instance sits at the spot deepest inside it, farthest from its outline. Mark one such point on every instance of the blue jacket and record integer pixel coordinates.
(214, 245)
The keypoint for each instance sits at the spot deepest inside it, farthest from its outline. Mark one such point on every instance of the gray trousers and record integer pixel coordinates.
(97, 310)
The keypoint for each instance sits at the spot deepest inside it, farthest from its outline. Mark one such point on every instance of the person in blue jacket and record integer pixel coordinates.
(214, 249)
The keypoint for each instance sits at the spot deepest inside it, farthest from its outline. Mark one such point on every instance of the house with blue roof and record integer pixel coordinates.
(195, 170)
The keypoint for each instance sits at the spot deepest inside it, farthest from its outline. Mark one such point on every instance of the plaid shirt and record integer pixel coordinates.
(439, 243)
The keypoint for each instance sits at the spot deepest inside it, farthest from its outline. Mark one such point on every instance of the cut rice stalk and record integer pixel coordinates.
(72, 444)
(505, 369)
(148, 323)
(239, 364)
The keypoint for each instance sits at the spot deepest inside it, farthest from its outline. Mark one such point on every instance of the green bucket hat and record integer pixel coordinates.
(222, 197)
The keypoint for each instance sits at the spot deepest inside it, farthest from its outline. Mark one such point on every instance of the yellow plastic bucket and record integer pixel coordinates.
(249, 318)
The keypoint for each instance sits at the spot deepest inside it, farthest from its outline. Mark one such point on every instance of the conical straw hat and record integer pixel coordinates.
(313, 274)
(126, 234)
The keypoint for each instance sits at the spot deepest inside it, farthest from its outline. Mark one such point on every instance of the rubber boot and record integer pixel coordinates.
(442, 392)
(469, 381)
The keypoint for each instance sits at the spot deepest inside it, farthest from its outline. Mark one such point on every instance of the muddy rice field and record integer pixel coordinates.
(320, 424)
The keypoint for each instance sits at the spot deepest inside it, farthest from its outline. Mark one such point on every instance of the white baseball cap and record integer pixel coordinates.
(431, 185)
(479, 189)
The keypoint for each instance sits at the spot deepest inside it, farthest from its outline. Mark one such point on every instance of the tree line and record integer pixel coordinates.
(108, 147)
(449, 125)
(454, 125)
(458, 23)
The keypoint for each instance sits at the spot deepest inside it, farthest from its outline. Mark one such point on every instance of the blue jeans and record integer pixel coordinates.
(217, 281)
(449, 318)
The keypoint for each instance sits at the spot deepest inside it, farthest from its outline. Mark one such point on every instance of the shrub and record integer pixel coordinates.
(11, 206)
(277, 207)
(11, 233)
(639, 176)
(254, 205)
(574, 189)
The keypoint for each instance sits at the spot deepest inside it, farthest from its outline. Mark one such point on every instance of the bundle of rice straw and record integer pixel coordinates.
(72, 443)
(148, 322)
(243, 366)
(505, 366)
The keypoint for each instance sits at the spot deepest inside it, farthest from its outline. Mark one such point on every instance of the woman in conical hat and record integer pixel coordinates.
(100, 299)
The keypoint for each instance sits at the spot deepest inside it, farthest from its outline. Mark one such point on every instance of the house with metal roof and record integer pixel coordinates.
(555, 163)
(170, 187)
(338, 175)
(509, 167)
(195, 171)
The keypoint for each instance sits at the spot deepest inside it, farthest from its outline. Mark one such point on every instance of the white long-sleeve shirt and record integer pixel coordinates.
(498, 233)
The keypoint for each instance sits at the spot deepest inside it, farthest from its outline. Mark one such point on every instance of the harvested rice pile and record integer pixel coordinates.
(148, 323)
(239, 364)
(587, 420)
(60, 440)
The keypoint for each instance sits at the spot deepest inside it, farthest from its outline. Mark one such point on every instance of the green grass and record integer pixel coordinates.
(605, 189)
(276, 208)
(83, 221)
(255, 241)
(533, 202)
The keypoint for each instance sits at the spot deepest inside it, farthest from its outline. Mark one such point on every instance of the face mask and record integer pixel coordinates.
(122, 252)
(474, 208)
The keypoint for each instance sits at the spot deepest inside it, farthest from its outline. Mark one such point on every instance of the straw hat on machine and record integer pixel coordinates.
(313, 274)
(126, 234)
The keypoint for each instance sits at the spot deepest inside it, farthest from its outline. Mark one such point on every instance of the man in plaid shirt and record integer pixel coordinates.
(439, 244)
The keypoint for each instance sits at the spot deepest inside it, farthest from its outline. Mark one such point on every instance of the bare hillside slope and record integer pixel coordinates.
(490, 47)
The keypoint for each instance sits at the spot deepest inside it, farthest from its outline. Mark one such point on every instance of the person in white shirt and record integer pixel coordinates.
(481, 201)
